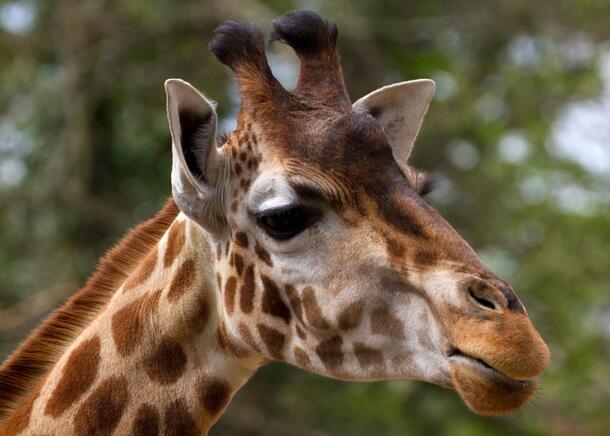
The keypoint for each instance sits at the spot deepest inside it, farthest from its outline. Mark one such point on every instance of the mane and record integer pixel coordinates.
(26, 366)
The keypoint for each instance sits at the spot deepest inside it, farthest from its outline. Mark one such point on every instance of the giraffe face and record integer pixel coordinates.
(327, 256)
(323, 293)
(346, 271)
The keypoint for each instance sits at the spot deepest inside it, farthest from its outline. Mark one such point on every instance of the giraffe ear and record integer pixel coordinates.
(196, 162)
(400, 109)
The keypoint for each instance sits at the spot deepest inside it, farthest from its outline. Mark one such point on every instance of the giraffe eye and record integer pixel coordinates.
(284, 223)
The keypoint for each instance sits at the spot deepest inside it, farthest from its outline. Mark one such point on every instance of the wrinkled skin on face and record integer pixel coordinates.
(327, 256)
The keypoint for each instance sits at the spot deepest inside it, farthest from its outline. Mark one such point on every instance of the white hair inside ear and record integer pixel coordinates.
(400, 109)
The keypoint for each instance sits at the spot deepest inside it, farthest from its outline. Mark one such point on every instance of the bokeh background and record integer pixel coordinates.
(518, 134)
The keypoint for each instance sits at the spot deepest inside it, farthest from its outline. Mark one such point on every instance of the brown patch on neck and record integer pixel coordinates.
(175, 242)
(182, 281)
(178, 420)
(167, 363)
(273, 339)
(246, 335)
(129, 322)
(301, 357)
(101, 412)
(228, 345)
(198, 319)
(43, 348)
(230, 288)
(146, 422)
(142, 272)
(78, 375)
(213, 393)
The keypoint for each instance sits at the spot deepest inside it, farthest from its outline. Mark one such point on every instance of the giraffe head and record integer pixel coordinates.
(327, 256)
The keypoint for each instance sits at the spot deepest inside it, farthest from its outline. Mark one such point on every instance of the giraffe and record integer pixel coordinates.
(303, 238)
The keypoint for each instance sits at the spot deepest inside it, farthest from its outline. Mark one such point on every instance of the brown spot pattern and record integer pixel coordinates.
(230, 288)
(272, 302)
(175, 242)
(262, 254)
(213, 393)
(330, 352)
(37, 355)
(129, 321)
(178, 420)
(198, 318)
(395, 247)
(367, 356)
(182, 280)
(246, 291)
(101, 412)
(294, 301)
(301, 357)
(167, 364)
(241, 239)
(426, 258)
(313, 311)
(239, 264)
(228, 344)
(78, 375)
(351, 316)
(384, 323)
(300, 332)
(146, 422)
(142, 272)
(246, 335)
(273, 339)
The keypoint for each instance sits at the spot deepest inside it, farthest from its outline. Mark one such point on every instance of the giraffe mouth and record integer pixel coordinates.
(485, 369)
(485, 389)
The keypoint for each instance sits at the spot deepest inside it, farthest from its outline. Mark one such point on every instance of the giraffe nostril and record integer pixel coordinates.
(480, 300)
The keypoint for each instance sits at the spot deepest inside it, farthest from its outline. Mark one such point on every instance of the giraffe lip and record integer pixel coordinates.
(457, 356)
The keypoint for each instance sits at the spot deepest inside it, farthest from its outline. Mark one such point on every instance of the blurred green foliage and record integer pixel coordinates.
(519, 134)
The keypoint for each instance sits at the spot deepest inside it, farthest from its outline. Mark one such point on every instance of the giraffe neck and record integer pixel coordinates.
(157, 357)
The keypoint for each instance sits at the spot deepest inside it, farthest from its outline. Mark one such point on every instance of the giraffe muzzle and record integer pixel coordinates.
(495, 362)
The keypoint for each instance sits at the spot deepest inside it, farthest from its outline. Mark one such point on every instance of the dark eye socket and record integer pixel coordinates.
(286, 222)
